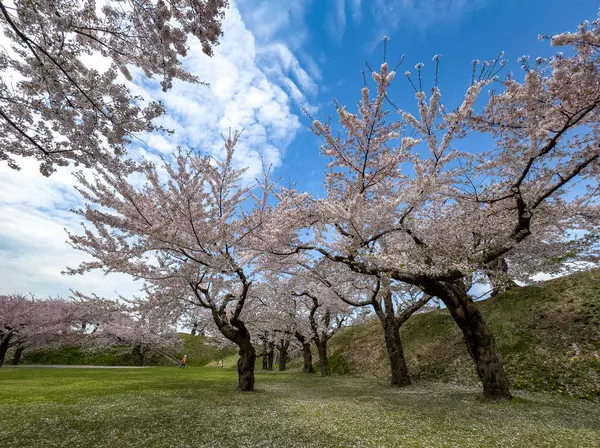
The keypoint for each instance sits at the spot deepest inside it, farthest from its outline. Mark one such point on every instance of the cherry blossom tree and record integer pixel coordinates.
(273, 320)
(305, 343)
(318, 309)
(56, 107)
(404, 202)
(127, 322)
(283, 348)
(183, 234)
(392, 302)
(27, 321)
(267, 349)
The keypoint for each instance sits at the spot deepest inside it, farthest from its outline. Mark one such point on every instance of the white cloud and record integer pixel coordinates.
(270, 20)
(34, 213)
(252, 87)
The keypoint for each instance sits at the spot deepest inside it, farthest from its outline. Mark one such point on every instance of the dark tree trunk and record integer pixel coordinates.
(400, 377)
(498, 276)
(282, 363)
(195, 329)
(17, 355)
(264, 354)
(139, 352)
(307, 353)
(270, 358)
(480, 341)
(283, 353)
(4, 347)
(236, 331)
(246, 363)
(323, 359)
(391, 332)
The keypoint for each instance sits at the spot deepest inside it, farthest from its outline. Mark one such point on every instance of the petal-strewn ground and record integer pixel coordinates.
(199, 407)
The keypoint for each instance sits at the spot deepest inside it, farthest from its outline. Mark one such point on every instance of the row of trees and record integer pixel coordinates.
(406, 215)
(30, 323)
(404, 209)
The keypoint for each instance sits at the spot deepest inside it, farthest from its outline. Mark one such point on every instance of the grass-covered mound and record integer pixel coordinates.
(548, 336)
(199, 407)
(199, 349)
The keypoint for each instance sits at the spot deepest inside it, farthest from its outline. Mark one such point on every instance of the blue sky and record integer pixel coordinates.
(458, 30)
(275, 57)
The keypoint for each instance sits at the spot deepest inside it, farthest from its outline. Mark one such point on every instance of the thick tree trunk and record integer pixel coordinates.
(323, 359)
(400, 377)
(246, 363)
(17, 355)
(283, 354)
(479, 339)
(4, 347)
(307, 354)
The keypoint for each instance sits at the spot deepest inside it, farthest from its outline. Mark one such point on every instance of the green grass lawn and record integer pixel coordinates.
(199, 407)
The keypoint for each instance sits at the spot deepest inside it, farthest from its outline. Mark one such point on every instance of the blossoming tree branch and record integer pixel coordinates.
(411, 211)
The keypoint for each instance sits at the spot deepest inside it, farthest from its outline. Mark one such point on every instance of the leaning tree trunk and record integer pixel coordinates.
(479, 339)
(400, 377)
(323, 359)
(246, 363)
(4, 347)
(17, 355)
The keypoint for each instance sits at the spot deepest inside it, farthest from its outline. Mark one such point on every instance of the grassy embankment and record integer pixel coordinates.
(199, 407)
(548, 336)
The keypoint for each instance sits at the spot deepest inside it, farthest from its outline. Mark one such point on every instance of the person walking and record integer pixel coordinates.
(183, 362)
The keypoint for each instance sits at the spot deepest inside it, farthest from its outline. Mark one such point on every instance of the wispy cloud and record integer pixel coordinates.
(253, 86)
(270, 20)
(337, 20)
(421, 14)
(356, 11)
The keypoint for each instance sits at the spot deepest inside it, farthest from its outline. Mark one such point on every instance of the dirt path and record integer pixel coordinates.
(66, 366)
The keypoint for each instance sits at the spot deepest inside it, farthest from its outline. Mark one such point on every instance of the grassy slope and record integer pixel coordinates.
(199, 407)
(199, 350)
(548, 336)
